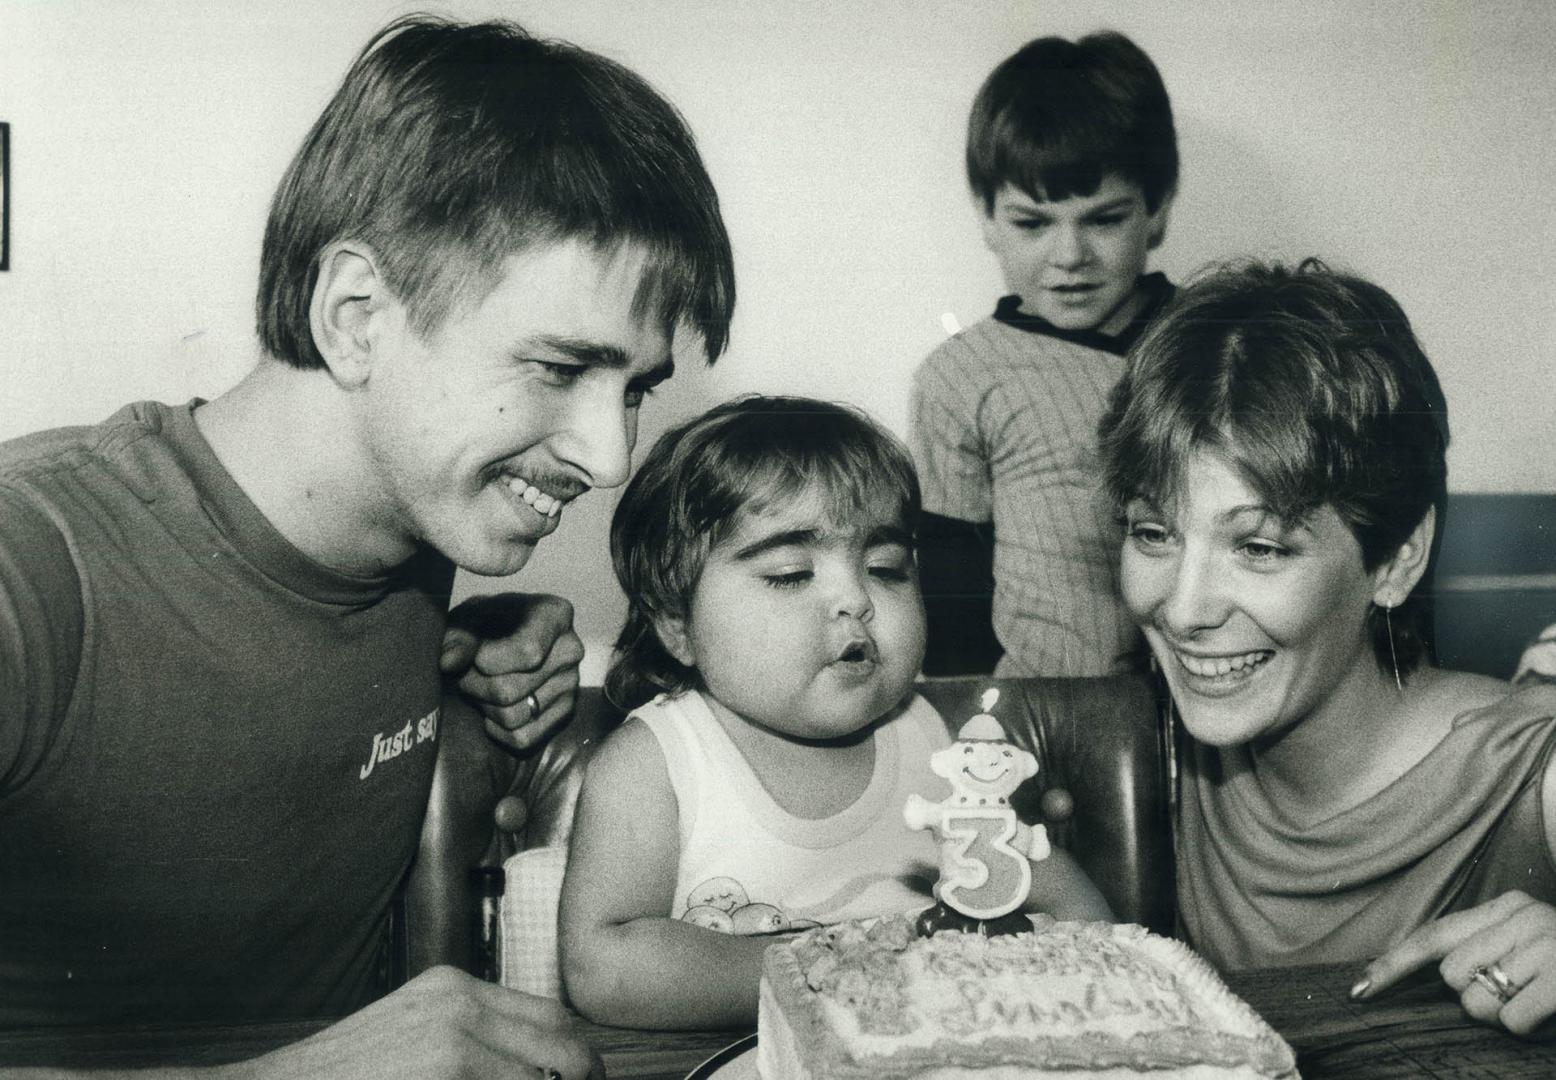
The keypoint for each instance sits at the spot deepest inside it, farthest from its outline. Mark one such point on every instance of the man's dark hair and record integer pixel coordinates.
(450, 147)
(1058, 117)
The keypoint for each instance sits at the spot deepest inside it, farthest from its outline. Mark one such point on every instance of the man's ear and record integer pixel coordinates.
(1392, 581)
(349, 298)
(671, 631)
(1158, 231)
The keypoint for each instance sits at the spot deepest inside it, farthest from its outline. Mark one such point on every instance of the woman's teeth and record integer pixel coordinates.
(539, 501)
(1214, 667)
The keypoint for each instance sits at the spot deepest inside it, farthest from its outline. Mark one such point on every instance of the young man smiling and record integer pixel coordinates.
(221, 624)
(1073, 163)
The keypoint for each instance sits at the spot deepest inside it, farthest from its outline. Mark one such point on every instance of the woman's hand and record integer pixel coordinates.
(1500, 957)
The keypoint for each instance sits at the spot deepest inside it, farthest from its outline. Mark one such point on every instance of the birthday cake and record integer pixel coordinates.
(851, 1002)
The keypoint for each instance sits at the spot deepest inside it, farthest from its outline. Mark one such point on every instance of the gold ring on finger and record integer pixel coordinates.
(1496, 981)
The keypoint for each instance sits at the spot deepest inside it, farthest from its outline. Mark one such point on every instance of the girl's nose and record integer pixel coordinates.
(853, 599)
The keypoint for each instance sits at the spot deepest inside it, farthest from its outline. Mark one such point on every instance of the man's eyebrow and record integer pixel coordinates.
(603, 354)
(772, 541)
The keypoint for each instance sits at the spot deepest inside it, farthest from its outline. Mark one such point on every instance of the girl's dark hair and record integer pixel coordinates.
(1312, 384)
(1058, 117)
(451, 146)
(746, 456)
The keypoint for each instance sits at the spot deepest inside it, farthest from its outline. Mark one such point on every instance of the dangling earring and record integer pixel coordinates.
(1388, 610)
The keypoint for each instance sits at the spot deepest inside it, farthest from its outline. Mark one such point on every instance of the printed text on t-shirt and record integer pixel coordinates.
(389, 747)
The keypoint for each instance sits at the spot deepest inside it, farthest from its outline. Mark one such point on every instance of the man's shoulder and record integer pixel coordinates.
(44, 452)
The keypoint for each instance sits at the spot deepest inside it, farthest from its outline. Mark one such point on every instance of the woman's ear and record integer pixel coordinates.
(348, 297)
(671, 631)
(1158, 231)
(1394, 580)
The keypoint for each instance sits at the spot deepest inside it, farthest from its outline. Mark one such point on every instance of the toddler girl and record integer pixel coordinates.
(774, 632)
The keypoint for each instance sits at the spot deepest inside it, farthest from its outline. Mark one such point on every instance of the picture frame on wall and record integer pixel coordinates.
(5, 196)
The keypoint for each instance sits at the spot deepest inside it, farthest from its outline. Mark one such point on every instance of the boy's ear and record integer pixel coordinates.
(985, 217)
(1392, 581)
(348, 303)
(671, 631)
(1158, 231)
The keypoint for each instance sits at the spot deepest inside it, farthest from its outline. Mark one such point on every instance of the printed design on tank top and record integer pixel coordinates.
(722, 904)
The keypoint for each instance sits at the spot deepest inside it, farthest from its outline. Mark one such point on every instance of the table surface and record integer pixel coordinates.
(1414, 1031)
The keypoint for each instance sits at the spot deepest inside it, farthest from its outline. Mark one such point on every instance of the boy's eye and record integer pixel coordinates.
(787, 579)
(1029, 224)
(1109, 219)
(636, 394)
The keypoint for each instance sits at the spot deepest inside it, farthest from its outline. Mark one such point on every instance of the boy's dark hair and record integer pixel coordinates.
(451, 146)
(1058, 117)
(693, 489)
(1314, 387)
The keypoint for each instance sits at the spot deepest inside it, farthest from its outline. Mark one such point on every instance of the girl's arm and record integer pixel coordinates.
(625, 962)
(1062, 889)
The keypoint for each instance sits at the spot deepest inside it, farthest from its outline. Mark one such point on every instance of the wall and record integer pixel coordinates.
(1407, 140)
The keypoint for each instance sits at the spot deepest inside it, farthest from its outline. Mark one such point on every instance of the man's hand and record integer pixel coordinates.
(516, 657)
(1500, 957)
(441, 1025)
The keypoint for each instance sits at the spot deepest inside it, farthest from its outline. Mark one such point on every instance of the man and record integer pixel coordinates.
(221, 625)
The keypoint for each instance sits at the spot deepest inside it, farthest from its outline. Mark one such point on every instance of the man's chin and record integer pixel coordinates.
(508, 559)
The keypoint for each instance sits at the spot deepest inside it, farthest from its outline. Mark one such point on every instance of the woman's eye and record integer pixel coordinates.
(891, 572)
(1263, 551)
(1147, 534)
(788, 579)
(636, 394)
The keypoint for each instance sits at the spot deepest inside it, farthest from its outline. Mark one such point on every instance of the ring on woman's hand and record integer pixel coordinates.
(1494, 979)
(534, 705)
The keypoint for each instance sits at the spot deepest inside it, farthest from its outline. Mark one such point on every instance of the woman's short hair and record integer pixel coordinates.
(1312, 384)
(694, 488)
(451, 146)
(1055, 118)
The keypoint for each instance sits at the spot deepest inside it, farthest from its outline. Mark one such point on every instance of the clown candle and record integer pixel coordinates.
(984, 850)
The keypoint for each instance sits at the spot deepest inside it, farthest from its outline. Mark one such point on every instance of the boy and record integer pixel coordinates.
(220, 624)
(1073, 163)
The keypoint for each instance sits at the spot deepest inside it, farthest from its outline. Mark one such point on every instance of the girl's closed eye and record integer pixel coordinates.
(791, 578)
(894, 569)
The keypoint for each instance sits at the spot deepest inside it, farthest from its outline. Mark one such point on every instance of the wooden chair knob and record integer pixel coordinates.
(1058, 805)
(510, 813)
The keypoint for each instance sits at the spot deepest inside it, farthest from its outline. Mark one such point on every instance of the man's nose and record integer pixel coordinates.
(597, 439)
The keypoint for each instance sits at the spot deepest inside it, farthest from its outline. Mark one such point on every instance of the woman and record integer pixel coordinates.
(1277, 450)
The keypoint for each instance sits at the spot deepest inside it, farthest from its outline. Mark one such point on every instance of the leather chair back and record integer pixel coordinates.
(1101, 788)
